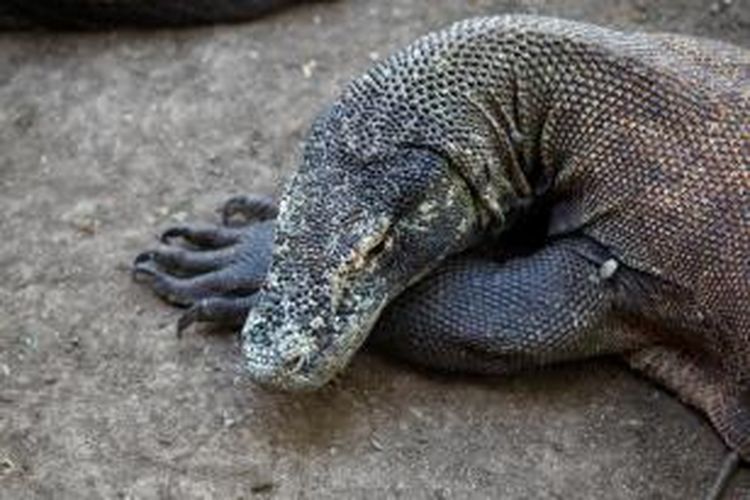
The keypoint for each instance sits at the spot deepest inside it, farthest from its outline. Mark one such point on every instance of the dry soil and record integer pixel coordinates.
(106, 138)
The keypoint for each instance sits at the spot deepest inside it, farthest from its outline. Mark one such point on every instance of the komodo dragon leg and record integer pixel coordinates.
(475, 314)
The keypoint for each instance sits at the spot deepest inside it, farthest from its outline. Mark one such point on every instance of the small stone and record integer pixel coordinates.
(309, 67)
(180, 216)
(377, 446)
(6, 466)
(83, 217)
(262, 486)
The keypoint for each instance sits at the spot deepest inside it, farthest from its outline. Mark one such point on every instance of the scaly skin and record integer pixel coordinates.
(626, 155)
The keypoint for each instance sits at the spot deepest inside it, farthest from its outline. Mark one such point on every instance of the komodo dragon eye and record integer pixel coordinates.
(372, 246)
(380, 246)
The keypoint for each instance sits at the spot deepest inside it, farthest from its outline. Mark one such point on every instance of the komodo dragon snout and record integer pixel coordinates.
(342, 252)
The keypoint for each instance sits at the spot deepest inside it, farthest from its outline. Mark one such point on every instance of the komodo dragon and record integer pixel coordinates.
(506, 193)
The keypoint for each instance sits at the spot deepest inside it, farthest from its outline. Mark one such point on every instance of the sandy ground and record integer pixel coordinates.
(106, 138)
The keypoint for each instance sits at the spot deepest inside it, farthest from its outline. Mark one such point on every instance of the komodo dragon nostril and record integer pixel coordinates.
(294, 363)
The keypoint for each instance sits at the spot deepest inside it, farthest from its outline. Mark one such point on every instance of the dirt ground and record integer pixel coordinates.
(107, 138)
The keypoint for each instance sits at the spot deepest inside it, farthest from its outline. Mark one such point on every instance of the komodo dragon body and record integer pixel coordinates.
(506, 193)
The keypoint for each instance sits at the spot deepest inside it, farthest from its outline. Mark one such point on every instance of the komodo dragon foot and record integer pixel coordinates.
(214, 271)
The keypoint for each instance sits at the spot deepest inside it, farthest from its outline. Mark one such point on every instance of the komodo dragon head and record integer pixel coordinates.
(364, 217)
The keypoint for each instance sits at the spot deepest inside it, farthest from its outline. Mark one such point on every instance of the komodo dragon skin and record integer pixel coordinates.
(506, 193)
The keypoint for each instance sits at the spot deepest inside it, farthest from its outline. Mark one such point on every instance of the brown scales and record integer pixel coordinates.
(688, 222)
